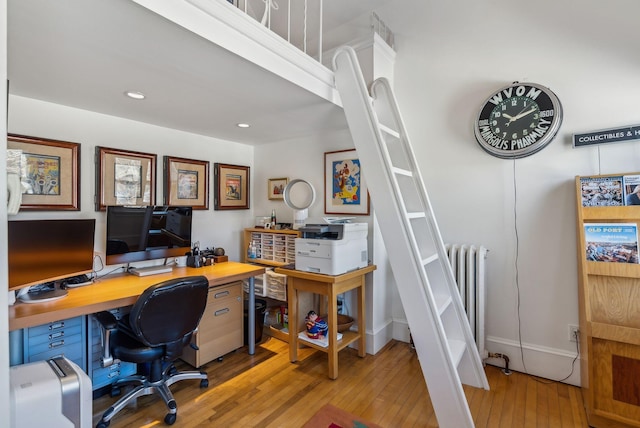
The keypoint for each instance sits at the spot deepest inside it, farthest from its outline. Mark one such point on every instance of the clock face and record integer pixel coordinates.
(518, 121)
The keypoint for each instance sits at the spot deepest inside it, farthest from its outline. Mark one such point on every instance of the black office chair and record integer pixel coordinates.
(157, 329)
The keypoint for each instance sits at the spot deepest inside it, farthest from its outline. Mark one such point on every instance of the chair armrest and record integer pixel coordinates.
(108, 323)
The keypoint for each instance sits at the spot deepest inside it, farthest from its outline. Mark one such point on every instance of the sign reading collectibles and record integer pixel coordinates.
(615, 135)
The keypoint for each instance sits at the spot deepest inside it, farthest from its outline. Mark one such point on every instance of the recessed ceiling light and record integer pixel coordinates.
(135, 95)
(243, 125)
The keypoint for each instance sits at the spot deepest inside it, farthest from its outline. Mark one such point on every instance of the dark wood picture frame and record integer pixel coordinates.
(124, 178)
(231, 184)
(49, 173)
(186, 182)
(345, 190)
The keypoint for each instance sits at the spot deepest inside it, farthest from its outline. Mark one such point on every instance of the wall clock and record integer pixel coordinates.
(518, 120)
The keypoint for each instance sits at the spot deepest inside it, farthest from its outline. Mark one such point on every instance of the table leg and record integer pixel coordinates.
(362, 341)
(293, 319)
(333, 332)
(252, 317)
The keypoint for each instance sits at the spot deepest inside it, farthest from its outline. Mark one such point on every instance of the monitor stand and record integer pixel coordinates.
(150, 270)
(41, 293)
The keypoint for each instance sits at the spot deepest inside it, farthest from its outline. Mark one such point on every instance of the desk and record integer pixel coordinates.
(124, 289)
(330, 286)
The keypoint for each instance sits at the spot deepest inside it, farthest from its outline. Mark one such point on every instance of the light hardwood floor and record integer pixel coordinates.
(266, 390)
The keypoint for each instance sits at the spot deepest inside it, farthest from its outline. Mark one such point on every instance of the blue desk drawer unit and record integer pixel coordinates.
(65, 338)
(103, 376)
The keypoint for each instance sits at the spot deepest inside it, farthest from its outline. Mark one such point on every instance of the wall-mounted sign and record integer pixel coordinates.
(615, 135)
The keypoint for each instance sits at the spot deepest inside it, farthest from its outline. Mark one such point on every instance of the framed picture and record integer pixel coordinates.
(275, 188)
(49, 172)
(186, 183)
(124, 178)
(231, 187)
(345, 191)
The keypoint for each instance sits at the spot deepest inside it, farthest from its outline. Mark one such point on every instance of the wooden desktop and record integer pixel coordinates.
(120, 290)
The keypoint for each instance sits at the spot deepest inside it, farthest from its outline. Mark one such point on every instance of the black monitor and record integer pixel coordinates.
(41, 251)
(147, 233)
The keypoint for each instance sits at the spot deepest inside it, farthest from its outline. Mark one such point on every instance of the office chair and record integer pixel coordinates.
(157, 329)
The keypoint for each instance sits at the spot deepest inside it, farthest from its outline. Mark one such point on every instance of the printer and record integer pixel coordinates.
(332, 249)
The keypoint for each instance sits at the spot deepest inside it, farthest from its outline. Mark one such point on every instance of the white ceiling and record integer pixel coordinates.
(87, 53)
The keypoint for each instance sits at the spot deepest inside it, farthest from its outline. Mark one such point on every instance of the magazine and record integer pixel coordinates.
(324, 342)
(631, 187)
(611, 242)
(601, 191)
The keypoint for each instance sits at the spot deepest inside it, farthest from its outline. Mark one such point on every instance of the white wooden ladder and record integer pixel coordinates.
(439, 326)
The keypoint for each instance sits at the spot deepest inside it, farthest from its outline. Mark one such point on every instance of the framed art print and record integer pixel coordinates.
(125, 178)
(275, 188)
(49, 172)
(345, 191)
(186, 182)
(231, 187)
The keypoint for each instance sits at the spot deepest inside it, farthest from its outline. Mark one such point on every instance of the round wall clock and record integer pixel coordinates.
(518, 120)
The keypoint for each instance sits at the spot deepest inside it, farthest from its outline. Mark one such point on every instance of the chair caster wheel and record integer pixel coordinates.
(204, 383)
(170, 418)
(219, 359)
(115, 391)
(103, 424)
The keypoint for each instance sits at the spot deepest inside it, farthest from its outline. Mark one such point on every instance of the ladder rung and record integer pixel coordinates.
(417, 214)
(401, 171)
(457, 348)
(442, 302)
(430, 259)
(389, 131)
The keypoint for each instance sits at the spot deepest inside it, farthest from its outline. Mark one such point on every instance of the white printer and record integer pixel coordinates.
(332, 249)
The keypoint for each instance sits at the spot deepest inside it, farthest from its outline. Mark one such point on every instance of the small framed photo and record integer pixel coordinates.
(275, 188)
(186, 182)
(49, 172)
(231, 187)
(124, 178)
(345, 191)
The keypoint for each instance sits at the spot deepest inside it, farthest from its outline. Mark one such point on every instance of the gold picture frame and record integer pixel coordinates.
(275, 188)
(345, 190)
(231, 187)
(124, 178)
(49, 173)
(186, 182)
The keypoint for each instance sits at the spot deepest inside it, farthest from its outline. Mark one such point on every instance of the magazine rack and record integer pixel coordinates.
(609, 303)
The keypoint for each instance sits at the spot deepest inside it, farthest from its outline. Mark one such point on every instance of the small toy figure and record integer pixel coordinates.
(316, 327)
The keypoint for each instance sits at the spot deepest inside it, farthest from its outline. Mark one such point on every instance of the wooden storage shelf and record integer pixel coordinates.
(609, 304)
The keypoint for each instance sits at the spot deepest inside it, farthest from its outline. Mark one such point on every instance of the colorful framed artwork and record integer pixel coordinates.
(275, 188)
(231, 187)
(124, 178)
(345, 189)
(49, 172)
(186, 183)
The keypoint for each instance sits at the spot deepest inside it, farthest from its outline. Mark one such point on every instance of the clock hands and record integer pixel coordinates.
(523, 114)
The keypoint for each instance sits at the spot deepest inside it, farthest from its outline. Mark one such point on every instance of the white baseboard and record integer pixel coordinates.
(542, 361)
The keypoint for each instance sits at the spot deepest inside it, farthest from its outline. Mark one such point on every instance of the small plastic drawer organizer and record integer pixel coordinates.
(276, 285)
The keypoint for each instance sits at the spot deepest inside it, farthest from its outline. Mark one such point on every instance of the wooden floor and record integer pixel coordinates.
(266, 390)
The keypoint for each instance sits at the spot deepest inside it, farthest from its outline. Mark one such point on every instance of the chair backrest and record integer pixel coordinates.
(169, 312)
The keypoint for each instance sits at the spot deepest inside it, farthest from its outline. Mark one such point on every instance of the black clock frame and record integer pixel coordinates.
(542, 122)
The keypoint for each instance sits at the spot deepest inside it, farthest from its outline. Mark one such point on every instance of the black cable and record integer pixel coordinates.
(515, 227)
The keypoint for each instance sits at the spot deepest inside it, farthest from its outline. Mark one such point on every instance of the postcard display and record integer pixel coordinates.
(608, 211)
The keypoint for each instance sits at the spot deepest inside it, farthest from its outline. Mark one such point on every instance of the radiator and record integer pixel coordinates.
(468, 265)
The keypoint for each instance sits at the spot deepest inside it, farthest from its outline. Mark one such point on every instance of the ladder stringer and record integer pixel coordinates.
(440, 329)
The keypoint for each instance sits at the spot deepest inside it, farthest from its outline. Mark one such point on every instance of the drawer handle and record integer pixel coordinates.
(56, 344)
(56, 335)
(221, 294)
(56, 325)
(113, 374)
(221, 312)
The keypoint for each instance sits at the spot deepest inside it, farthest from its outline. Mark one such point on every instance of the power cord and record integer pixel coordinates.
(517, 281)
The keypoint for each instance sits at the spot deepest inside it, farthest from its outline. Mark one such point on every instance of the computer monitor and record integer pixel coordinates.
(147, 233)
(41, 251)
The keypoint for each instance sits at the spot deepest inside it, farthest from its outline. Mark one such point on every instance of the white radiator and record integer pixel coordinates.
(468, 265)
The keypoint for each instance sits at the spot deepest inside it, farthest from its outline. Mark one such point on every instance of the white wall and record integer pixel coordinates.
(53, 121)
(450, 57)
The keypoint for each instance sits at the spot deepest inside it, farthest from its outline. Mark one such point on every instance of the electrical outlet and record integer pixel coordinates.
(574, 331)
